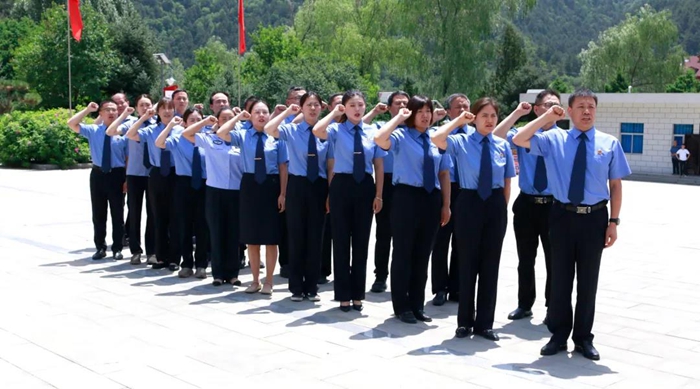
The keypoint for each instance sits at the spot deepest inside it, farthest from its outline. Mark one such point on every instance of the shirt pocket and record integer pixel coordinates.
(601, 162)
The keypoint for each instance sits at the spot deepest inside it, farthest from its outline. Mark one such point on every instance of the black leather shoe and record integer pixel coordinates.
(587, 350)
(117, 255)
(322, 280)
(159, 265)
(100, 254)
(379, 286)
(552, 348)
(519, 313)
(345, 308)
(463, 332)
(284, 272)
(173, 267)
(421, 316)
(407, 317)
(358, 307)
(487, 334)
(440, 298)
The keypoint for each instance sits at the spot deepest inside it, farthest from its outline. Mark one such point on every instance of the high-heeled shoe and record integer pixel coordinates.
(345, 308)
(358, 307)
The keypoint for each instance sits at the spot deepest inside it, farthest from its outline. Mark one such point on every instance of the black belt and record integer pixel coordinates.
(583, 209)
(538, 199)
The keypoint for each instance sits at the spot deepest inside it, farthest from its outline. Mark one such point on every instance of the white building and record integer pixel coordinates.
(646, 124)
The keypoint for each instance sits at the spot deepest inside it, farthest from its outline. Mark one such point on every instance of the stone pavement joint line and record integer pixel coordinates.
(69, 322)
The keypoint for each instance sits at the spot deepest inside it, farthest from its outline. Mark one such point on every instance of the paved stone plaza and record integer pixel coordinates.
(69, 322)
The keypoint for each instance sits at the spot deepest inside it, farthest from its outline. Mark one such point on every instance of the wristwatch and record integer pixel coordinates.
(615, 220)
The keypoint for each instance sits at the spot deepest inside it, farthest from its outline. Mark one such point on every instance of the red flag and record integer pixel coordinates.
(76, 21)
(241, 28)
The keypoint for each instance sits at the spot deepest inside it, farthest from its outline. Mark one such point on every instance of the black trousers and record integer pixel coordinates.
(306, 202)
(106, 191)
(190, 221)
(442, 277)
(383, 230)
(531, 224)
(222, 211)
(676, 165)
(577, 247)
(415, 220)
(480, 226)
(283, 253)
(161, 191)
(326, 247)
(351, 216)
(681, 168)
(137, 187)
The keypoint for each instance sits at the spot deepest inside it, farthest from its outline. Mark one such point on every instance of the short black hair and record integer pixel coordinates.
(545, 93)
(179, 91)
(393, 95)
(309, 95)
(211, 98)
(414, 104)
(188, 113)
(105, 102)
(582, 92)
(248, 101)
(295, 88)
(347, 96)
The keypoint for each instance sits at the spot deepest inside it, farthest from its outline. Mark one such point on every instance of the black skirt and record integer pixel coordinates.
(260, 217)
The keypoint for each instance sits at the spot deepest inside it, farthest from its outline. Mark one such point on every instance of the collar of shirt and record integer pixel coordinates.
(590, 134)
(251, 132)
(478, 137)
(304, 126)
(415, 134)
(351, 127)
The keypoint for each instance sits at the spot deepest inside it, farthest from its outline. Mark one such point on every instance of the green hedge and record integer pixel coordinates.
(40, 137)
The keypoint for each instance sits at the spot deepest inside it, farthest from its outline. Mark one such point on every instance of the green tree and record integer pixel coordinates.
(11, 31)
(211, 62)
(562, 84)
(270, 46)
(41, 59)
(618, 85)
(643, 49)
(685, 83)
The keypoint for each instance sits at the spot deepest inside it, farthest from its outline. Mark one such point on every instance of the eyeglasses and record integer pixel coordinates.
(549, 104)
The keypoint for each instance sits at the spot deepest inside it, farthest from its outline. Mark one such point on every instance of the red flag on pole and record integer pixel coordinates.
(241, 28)
(76, 21)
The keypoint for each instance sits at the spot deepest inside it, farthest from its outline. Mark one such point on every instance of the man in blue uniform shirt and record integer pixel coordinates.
(674, 158)
(531, 208)
(585, 168)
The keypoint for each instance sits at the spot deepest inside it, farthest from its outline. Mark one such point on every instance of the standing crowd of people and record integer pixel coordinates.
(293, 180)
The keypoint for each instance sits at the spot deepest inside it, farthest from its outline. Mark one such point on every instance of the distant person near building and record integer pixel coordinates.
(674, 158)
(682, 154)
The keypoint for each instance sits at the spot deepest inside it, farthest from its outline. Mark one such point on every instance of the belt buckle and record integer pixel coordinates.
(583, 210)
(540, 200)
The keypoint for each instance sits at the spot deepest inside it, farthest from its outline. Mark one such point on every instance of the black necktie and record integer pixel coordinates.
(312, 158)
(578, 173)
(260, 170)
(428, 165)
(459, 131)
(358, 166)
(485, 171)
(540, 182)
(196, 169)
(146, 158)
(164, 162)
(107, 154)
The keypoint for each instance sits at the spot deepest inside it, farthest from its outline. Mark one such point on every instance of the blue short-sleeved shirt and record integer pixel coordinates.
(528, 164)
(275, 150)
(296, 136)
(224, 164)
(342, 135)
(407, 148)
(148, 136)
(389, 158)
(466, 148)
(604, 160)
(467, 129)
(674, 150)
(183, 152)
(134, 165)
(246, 125)
(95, 134)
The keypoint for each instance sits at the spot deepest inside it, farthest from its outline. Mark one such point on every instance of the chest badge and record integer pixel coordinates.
(217, 142)
(600, 151)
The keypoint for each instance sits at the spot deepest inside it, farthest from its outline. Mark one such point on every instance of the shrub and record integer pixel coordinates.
(40, 137)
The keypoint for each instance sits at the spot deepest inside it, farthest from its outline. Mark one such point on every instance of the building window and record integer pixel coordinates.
(679, 131)
(632, 137)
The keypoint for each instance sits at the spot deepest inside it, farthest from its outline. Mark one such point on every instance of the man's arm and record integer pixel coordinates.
(615, 205)
(501, 130)
(522, 138)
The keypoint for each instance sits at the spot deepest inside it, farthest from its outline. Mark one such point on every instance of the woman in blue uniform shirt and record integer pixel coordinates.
(189, 196)
(263, 189)
(485, 165)
(107, 176)
(421, 180)
(353, 194)
(224, 171)
(307, 192)
(137, 169)
(161, 183)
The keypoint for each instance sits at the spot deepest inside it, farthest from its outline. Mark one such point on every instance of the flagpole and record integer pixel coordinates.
(70, 85)
(239, 53)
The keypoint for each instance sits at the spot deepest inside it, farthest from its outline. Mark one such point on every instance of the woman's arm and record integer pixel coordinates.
(284, 174)
(382, 137)
(272, 127)
(379, 184)
(439, 137)
(113, 128)
(133, 132)
(320, 127)
(445, 190)
(160, 141)
(192, 130)
(74, 122)
(224, 131)
(377, 110)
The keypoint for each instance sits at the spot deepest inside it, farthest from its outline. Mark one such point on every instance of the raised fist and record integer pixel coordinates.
(129, 110)
(198, 106)
(294, 109)
(236, 110)
(244, 115)
(93, 107)
(404, 113)
(150, 113)
(466, 117)
(338, 110)
(279, 108)
(381, 107)
(524, 108)
(176, 120)
(439, 113)
(556, 112)
(211, 120)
